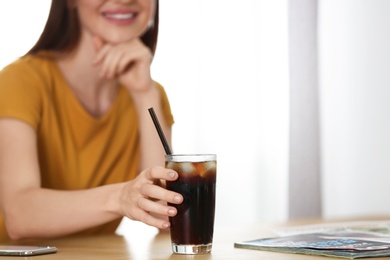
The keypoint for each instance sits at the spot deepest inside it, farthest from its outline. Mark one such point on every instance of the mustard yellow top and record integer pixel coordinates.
(76, 150)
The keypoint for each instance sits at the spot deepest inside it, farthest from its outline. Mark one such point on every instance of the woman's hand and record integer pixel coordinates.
(127, 61)
(145, 199)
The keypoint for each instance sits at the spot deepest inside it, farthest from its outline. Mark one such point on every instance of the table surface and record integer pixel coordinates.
(157, 245)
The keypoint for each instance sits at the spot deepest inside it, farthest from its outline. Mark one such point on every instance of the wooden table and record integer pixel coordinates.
(158, 246)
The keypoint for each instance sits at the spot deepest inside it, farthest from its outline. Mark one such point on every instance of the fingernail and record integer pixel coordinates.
(171, 212)
(177, 198)
(165, 225)
(172, 175)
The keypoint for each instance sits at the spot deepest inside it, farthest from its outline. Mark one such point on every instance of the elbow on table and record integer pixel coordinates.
(15, 229)
(14, 235)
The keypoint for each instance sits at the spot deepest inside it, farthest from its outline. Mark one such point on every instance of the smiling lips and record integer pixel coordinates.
(120, 17)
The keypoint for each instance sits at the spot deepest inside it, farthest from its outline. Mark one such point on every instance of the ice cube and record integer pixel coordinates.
(209, 168)
(187, 167)
(170, 165)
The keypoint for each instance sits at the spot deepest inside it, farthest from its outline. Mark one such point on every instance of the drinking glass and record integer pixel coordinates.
(193, 226)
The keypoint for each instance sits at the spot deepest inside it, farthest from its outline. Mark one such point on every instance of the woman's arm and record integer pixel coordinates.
(129, 62)
(34, 212)
(152, 150)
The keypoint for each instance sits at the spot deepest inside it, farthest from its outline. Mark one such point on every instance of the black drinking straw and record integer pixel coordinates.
(160, 131)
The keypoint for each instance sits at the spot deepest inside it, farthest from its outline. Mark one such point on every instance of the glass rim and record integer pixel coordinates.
(190, 157)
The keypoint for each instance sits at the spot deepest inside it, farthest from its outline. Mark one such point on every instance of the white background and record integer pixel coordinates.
(355, 95)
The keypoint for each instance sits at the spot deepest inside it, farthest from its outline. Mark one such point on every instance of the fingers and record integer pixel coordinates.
(160, 174)
(97, 43)
(150, 220)
(159, 193)
(153, 213)
(144, 200)
(156, 207)
(109, 65)
(117, 59)
(150, 190)
(102, 53)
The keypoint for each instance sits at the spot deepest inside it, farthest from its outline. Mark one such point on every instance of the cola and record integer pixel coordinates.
(194, 223)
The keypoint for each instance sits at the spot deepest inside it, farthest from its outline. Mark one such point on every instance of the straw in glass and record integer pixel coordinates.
(160, 131)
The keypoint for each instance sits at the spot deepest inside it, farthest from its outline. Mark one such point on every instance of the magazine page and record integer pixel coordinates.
(347, 240)
(375, 227)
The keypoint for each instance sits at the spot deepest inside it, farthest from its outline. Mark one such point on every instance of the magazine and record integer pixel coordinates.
(374, 227)
(349, 240)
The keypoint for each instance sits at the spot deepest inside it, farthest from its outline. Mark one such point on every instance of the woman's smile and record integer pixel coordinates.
(120, 17)
(115, 21)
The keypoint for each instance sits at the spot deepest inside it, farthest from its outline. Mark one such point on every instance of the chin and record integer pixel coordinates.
(115, 37)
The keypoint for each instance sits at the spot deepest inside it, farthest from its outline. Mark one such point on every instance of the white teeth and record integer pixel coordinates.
(120, 16)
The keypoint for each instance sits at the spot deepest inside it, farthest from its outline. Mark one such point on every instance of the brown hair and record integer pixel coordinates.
(62, 30)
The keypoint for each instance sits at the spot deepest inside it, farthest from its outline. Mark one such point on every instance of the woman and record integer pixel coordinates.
(74, 126)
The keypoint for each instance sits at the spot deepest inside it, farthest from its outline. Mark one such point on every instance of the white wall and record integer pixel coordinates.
(355, 91)
(21, 22)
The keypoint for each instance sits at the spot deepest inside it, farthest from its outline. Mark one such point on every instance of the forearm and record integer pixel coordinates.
(152, 151)
(40, 213)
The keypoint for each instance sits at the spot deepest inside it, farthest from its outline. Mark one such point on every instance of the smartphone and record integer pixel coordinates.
(26, 250)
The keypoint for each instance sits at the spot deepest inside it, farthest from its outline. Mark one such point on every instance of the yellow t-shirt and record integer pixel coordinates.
(76, 150)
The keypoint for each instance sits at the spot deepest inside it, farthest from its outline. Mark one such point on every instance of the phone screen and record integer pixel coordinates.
(26, 250)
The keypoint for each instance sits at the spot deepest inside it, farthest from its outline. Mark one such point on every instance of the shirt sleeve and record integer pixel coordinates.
(20, 92)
